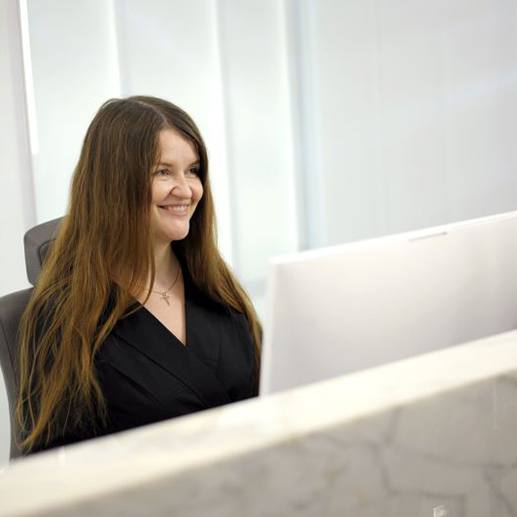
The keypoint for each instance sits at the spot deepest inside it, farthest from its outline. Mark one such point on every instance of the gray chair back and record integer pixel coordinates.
(36, 242)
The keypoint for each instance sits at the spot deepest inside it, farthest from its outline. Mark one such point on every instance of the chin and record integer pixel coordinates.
(179, 237)
(169, 231)
(178, 234)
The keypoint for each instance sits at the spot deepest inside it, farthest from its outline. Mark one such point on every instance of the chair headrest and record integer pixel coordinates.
(37, 242)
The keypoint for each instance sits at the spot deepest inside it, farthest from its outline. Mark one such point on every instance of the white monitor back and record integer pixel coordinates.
(358, 305)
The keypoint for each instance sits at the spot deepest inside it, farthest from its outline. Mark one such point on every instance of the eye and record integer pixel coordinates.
(162, 173)
(194, 170)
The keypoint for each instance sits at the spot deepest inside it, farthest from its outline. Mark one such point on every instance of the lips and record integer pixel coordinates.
(179, 209)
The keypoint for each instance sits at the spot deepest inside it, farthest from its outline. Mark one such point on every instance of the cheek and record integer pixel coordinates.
(157, 193)
(198, 191)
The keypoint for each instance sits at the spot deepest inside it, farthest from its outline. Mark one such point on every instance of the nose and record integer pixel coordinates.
(181, 188)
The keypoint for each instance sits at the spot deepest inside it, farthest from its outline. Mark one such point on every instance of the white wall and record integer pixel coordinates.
(16, 197)
(75, 69)
(253, 44)
(414, 106)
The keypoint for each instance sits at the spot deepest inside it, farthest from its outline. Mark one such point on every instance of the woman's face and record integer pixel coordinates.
(176, 188)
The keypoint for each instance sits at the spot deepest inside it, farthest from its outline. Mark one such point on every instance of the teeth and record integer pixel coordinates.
(178, 208)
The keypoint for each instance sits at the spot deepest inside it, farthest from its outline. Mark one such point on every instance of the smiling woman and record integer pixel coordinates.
(136, 318)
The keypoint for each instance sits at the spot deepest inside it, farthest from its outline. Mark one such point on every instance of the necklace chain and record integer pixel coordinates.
(164, 294)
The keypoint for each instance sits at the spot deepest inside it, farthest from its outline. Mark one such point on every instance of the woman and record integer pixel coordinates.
(135, 318)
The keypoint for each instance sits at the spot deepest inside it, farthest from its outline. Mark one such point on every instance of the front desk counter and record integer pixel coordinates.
(431, 436)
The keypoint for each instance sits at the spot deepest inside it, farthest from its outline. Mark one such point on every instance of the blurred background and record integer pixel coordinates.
(326, 121)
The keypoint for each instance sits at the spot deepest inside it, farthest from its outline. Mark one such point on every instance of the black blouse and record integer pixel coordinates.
(148, 375)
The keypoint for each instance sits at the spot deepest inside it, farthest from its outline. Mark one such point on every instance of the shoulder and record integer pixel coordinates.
(241, 329)
(238, 318)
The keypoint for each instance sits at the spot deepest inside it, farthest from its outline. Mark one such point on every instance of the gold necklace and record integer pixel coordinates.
(164, 294)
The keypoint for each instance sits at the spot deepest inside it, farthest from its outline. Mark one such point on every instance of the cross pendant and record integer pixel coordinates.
(165, 297)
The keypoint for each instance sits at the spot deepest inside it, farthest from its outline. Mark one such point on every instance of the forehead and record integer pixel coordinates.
(174, 147)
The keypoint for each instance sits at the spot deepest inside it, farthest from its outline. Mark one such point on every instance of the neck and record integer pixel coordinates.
(166, 266)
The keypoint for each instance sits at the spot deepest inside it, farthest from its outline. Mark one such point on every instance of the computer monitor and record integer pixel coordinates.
(358, 305)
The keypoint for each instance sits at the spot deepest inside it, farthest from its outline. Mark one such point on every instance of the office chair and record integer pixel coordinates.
(36, 243)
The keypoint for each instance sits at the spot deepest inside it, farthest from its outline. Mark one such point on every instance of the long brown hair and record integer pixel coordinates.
(105, 236)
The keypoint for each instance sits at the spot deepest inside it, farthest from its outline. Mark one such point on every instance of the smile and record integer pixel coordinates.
(175, 209)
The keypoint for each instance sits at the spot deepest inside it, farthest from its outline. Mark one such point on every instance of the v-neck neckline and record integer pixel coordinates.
(204, 333)
(196, 368)
(187, 333)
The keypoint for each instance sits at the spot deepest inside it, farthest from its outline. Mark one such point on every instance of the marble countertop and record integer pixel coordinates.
(109, 467)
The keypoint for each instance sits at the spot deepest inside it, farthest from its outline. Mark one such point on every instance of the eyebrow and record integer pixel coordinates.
(197, 162)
